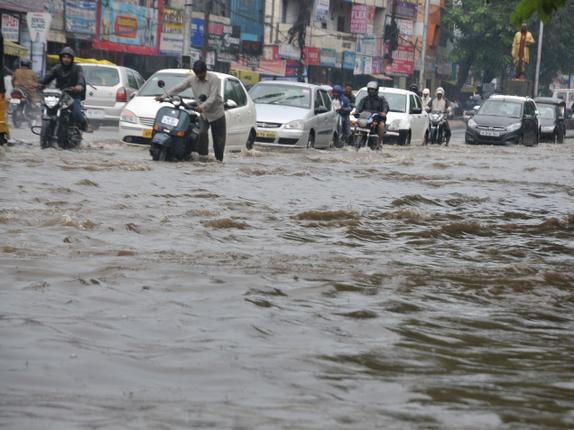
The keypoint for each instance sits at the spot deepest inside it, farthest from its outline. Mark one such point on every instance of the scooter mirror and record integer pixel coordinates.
(160, 83)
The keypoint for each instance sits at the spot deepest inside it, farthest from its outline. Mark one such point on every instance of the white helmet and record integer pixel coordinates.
(373, 85)
(440, 90)
(426, 92)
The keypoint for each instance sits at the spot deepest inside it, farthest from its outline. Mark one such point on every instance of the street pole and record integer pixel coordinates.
(188, 18)
(538, 58)
(206, 18)
(422, 82)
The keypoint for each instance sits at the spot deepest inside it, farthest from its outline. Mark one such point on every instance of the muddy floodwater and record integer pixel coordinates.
(415, 288)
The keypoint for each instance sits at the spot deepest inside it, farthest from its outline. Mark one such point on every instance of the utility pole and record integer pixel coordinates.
(538, 58)
(422, 82)
(187, 28)
(206, 17)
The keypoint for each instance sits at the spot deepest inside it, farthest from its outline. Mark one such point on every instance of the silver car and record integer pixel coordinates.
(109, 88)
(293, 114)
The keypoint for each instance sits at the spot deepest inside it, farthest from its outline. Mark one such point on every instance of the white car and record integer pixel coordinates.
(138, 116)
(407, 121)
(293, 115)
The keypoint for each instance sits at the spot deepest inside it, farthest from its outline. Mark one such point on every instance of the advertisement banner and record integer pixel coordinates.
(406, 28)
(405, 8)
(371, 20)
(359, 18)
(10, 27)
(312, 56)
(328, 57)
(171, 40)
(288, 51)
(38, 26)
(272, 67)
(367, 45)
(127, 27)
(348, 60)
(403, 61)
(321, 14)
(81, 17)
(197, 32)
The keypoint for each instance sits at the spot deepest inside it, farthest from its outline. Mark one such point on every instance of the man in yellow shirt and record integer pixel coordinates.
(520, 51)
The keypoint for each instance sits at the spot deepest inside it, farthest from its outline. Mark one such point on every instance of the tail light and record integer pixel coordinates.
(122, 95)
(16, 95)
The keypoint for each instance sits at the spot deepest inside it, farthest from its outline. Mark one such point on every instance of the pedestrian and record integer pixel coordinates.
(69, 75)
(206, 87)
(342, 106)
(349, 93)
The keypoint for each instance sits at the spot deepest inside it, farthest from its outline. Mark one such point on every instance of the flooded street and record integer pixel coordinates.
(415, 288)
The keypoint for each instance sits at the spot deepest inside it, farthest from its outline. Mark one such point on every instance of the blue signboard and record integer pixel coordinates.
(197, 32)
(349, 60)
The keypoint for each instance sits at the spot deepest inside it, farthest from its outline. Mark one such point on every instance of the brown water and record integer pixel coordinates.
(417, 288)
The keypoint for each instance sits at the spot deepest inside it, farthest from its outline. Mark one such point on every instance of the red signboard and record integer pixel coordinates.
(312, 56)
(403, 61)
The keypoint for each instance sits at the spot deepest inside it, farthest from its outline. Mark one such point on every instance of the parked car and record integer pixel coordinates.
(552, 126)
(407, 121)
(568, 96)
(108, 90)
(138, 116)
(293, 114)
(504, 120)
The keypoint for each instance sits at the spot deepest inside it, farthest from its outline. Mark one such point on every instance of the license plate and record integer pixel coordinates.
(170, 120)
(147, 133)
(267, 134)
(490, 133)
(95, 114)
(15, 101)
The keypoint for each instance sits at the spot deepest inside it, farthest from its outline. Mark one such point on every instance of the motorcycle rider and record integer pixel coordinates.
(439, 102)
(426, 98)
(342, 106)
(414, 88)
(374, 103)
(25, 78)
(67, 74)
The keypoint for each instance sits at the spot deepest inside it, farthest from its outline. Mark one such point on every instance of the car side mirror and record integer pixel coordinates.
(160, 83)
(320, 110)
(476, 109)
(416, 111)
(132, 95)
(230, 104)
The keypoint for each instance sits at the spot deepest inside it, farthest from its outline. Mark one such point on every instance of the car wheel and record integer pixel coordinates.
(311, 140)
(520, 140)
(250, 140)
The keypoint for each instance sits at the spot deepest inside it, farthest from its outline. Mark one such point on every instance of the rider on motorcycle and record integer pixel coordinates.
(374, 103)
(439, 102)
(70, 75)
(25, 78)
(426, 98)
(342, 106)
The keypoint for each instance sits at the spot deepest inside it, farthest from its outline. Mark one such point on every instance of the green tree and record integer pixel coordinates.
(481, 35)
(527, 8)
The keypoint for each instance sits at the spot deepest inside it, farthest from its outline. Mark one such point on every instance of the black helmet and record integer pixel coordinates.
(67, 51)
(414, 87)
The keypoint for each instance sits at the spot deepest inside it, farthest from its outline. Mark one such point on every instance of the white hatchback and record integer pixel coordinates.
(407, 121)
(138, 116)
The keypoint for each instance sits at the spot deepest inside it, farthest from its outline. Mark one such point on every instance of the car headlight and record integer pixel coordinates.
(51, 101)
(298, 124)
(128, 116)
(394, 125)
(472, 123)
(548, 129)
(514, 127)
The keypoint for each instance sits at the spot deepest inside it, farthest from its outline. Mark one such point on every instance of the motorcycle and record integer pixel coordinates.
(175, 130)
(21, 108)
(437, 121)
(365, 131)
(58, 126)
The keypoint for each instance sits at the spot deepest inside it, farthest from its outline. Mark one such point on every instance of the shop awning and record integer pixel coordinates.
(54, 58)
(12, 48)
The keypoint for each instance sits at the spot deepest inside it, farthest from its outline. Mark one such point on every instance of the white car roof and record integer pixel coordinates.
(185, 72)
(391, 90)
(290, 83)
(509, 98)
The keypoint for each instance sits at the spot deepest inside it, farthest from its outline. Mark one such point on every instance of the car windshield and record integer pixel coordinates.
(547, 111)
(397, 102)
(502, 108)
(150, 88)
(101, 76)
(283, 95)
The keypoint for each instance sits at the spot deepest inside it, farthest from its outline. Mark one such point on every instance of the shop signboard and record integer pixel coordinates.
(128, 27)
(10, 27)
(348, 60)
(403, 61)
(38, 25)
(321, 15)
(171, 40)
(312, 56)
(328, 57)
(81, 17)
(404, 8)
(289, 52)
(359, 18)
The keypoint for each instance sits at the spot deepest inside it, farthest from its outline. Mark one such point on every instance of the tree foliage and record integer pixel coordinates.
(527, 8)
